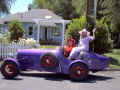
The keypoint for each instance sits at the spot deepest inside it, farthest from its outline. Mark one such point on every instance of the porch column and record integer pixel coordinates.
(38, 34)
(63, 29)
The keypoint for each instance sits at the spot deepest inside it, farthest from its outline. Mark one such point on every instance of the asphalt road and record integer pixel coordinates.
(107, 80)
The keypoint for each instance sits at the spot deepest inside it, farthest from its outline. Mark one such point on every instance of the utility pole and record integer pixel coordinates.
(87, 11)
(95, 16)
(95, 11)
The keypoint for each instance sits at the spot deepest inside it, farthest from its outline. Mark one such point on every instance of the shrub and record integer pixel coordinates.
(28, 42)
(16, 30)
(5, 38)
(102, 42)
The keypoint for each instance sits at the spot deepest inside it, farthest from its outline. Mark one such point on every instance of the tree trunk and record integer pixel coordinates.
(87, 10)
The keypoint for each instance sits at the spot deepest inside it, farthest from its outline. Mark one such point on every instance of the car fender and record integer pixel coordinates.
(12, 60)
(79, 61)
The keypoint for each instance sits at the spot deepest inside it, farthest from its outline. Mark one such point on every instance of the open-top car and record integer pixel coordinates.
(54, 61)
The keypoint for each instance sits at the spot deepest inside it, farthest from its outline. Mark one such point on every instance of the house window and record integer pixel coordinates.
(30, 30)
(56, 32)
(5, 22)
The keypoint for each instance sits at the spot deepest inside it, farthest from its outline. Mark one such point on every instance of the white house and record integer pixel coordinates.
(41, 24)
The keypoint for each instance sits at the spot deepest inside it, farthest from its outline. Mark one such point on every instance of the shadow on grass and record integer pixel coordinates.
(62, 77)
(114, 61)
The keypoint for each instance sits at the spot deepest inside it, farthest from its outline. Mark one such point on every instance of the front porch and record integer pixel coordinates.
(50, 35)
(50, 32)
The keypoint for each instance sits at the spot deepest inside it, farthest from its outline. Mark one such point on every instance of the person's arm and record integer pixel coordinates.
(94, 33)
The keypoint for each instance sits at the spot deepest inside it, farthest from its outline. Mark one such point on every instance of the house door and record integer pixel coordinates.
(46, 32)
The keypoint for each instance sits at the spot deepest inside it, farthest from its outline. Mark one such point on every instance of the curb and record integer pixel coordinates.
(116, 69)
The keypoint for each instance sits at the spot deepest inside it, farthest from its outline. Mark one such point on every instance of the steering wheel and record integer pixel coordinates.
(70, 44)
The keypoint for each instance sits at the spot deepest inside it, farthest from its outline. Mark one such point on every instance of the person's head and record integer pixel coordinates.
(84, 33)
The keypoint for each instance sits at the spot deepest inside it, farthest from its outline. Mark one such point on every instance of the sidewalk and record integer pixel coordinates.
(112, 69)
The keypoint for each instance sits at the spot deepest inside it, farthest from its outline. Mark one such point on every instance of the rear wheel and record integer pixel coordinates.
(49, 61)
(78, 72)
(9, 70)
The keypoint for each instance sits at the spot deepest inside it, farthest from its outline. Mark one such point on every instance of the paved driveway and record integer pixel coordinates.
(109, 80)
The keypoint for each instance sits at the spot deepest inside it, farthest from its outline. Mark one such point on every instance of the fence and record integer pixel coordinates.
(7, 50)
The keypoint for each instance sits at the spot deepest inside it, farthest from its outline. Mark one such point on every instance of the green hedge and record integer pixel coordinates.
(103, 42)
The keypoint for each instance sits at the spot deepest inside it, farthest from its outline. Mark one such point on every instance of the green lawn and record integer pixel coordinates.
(115, 58)
(48, 47)
(0, 63)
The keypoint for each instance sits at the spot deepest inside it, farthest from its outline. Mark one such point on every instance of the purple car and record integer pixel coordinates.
(53, 61)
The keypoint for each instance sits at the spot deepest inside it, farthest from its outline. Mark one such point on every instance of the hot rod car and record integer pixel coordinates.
(54, 61)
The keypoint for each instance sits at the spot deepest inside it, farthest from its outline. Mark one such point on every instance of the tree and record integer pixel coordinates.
(80, 6)
(68, 9)
(5, 38)
(115, 23)
(5, 5)
(102, 42)
(16, 30)
(109, 9)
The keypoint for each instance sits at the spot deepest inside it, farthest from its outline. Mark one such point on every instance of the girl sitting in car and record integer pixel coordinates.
(83, 45)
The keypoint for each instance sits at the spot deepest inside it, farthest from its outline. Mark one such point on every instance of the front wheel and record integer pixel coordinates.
(78, 71)
(9, 70)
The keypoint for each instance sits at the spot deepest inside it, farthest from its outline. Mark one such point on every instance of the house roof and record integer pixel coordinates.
(30, 15)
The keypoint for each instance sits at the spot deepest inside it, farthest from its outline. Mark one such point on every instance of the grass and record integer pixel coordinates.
(0, 63)
(115, 58)
(114, 66)
(48, 47)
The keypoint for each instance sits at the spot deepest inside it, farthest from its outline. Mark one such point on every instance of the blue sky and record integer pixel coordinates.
(20, 6)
